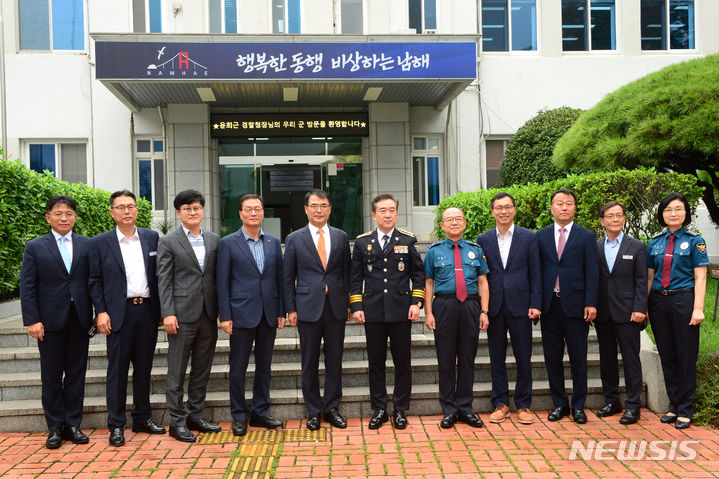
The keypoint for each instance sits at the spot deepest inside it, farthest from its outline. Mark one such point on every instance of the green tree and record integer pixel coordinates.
(668, 120)
(528, 157)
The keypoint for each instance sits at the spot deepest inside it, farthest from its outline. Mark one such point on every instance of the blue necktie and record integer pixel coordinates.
(65, 254)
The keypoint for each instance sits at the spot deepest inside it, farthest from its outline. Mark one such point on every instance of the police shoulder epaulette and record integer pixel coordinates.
(691, 233)
(365, 234)
(658, 235)
(435, 244)
(405, 232)
(472, 243)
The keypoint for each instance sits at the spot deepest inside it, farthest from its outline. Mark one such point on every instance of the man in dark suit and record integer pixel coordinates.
(186, 261)
(622, 303)
(515, 299)
(123, 286)
(568, 256)
(57, 311)
(384, 261)
(249, 292)
(316, 289)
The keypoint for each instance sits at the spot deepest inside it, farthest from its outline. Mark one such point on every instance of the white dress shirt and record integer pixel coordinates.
(504, 243)
(566, 234)
(135, 274)
(380, 235)
(316, 236)
(68, 241)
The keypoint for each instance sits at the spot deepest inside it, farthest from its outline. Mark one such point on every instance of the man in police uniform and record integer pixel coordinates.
(384, 261)
(456, 273)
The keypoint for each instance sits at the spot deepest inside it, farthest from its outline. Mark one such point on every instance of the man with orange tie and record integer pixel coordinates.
(316, 273)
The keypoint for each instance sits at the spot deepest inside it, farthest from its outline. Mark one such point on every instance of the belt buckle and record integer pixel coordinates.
(137, 300)
(556, 293)
(665, 292)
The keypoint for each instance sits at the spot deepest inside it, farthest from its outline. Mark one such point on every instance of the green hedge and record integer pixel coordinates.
(23, 195)
(639, 190)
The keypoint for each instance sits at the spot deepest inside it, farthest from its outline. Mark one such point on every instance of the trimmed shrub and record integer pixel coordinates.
(639, 190)
(23, 196)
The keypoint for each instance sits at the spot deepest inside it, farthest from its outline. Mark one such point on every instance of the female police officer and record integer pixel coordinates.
(677, 281)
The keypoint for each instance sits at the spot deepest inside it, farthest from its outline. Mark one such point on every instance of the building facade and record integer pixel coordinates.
(132, 94)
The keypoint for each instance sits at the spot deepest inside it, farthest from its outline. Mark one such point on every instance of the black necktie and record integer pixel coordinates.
(385, 248)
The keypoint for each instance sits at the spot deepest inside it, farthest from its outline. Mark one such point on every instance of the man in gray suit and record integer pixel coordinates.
(186, 260)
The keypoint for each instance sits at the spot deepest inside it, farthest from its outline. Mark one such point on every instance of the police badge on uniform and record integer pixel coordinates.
(702, 247)
(471, 255)
(400, 266)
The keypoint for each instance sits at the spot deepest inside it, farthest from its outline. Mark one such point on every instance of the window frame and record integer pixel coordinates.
(223, 20)
(51, 49)
(271, 18)
(152, 156)
(510, 26)
(423, 16)
(666, 31)
(57, 144)
(338, 18)
(425, 154)
(505, 139)
(588, 32)
(147, 17)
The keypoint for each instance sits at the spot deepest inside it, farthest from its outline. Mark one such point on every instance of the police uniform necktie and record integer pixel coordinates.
(321, 248)
(385, 246)
(65, 254)
(560, 249)
(460, 285)
(667, 265)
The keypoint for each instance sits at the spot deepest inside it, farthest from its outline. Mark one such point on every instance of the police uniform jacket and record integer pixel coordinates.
(379, 283)
(690, 251)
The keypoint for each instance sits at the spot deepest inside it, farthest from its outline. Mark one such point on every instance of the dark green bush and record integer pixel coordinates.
(23, 195)
(640, 190)
(707, 397)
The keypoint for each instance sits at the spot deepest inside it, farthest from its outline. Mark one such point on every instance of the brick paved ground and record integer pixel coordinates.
(423, 450)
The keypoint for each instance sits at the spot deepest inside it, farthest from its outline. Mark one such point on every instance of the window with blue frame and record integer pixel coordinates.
(423, 15)
(426, 180)
(501, 35)
(286, 16)
(223, 16)
(588, 25)
(147, 16)
(658, 33)
(150, 171)
(51, 25)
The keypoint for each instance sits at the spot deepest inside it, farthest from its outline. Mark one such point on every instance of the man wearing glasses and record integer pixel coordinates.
(186, 261)
(249, 296)
(456, 274)
(123, 286)
(316, 290)
(515, 299)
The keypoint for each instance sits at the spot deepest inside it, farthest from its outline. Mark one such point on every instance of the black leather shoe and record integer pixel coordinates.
(313, 422)
(378, 418)
(668, 418)
(334, 417)
(265, 421)
(558, 413)
(148, 427)
(239, 428)
(182, 434)
(399, 418)
(682, 424)
(609, 409)
(203, 426)
(579, 416)
(470, 419)
(117, 437)
(448, 421)
(74, 435)
(630, 416)
(54, 440)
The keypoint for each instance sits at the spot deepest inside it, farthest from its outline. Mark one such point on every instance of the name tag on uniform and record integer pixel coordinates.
(401, 249)
(627, 256)
(153, 253)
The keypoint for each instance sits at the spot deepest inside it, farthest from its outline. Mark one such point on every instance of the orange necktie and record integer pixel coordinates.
(321, 248)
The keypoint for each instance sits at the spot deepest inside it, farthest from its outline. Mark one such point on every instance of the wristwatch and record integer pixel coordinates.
(484, 311)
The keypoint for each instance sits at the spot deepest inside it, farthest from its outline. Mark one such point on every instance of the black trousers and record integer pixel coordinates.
(241, 341)
(558, 330)
(678, 347)
(455, 337)
(400, 339)
(332, 330)
(133, 343)
(520, 333)
(63, 364)
(626, 335)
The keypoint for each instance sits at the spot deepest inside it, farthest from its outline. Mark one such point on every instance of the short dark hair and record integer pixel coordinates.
(120, 193)
(250, 196)
(564, 191)
(187, 197)
(665, 202)
(60, 200)
(382, 197)
(321, 194)
(611, 204)
(499, 196)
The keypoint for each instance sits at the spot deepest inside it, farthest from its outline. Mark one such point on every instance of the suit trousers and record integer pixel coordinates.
(64, 352)
(332, 330)
(400, 339)
(241, 340)
(520, 333)
(455, 338)
(626, 334)
(678, 347)
(196, 339)
(558, 330)
(133, 343)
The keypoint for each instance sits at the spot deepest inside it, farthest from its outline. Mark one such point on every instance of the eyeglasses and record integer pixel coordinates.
(678, 209)
(384, 211)
(59, 215)
(194, 209)
(612, 217)
(316, 207)
(453, 219)
(124, 208)
(503, 208)
(249, 211)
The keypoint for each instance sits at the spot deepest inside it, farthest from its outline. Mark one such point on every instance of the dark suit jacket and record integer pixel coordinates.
(305, 279)
(578, 270)
(624, 290)
(243, 291)
(46, 287)
(183, 286)
(108, 283)
(520, 282)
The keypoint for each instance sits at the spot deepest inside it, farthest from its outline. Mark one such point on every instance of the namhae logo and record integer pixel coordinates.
(179, 66)
(623, 450)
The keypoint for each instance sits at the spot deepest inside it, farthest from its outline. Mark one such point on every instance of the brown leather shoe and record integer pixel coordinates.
(525, 416)
(501, 412)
